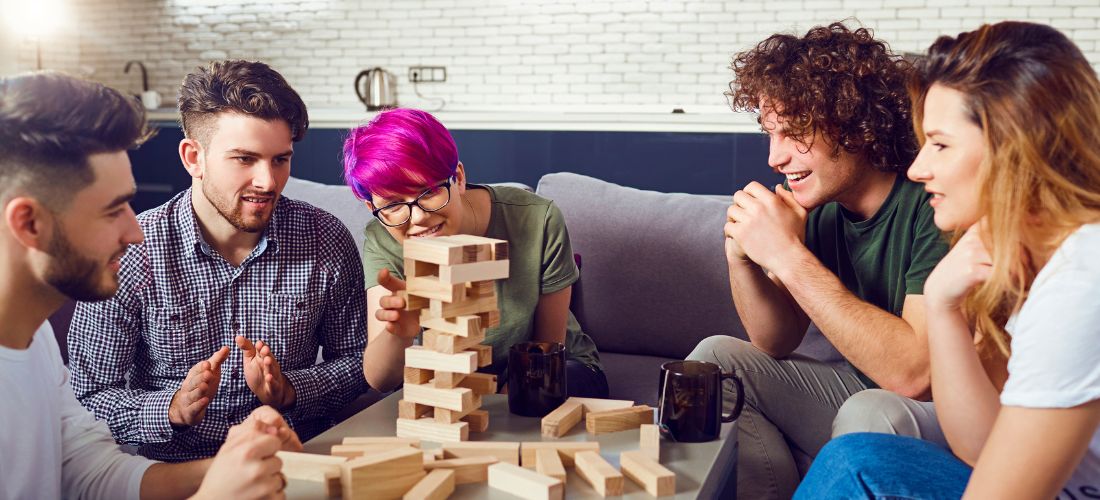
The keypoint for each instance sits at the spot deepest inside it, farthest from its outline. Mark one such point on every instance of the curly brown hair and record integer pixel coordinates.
(840, 82)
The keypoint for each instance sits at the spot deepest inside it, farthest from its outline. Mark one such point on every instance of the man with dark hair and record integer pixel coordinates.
(65, 186)
(226, 262)
(847, 246)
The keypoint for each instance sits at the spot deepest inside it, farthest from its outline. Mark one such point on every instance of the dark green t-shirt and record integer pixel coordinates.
(540, 262)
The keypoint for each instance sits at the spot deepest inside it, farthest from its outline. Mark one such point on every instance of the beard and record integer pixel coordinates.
(232, 213)
(75, 275)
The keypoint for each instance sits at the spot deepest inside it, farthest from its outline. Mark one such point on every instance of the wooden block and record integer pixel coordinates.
(417, 375)
(481, 288)
(618, 420)
(419, 357)
(430, 430)
(415, 268)
(430, 287)
(484, 354)
(360, 450)
(548, 463)
(309, 467)
(657, 480)
(507, 452)
(480, 383)
(396, 441)
(525, 483)
(475, 305)
(498, 249)
(490, 319)
(414, 302)
(459, 399)
(650, 441)
(429, 456)
(595, 404)
(566, 450)
(449, 343)
(475, 271)
(382, 475)
(445, 416)
(558, 422)
(448, 380)
(437, 485)
(467, 470)
(478, 420)
(607, 481)
(438, 250)
(463, 326)
(411, 410)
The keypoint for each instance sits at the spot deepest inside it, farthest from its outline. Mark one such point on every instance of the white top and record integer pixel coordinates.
(50, 446)
(1055, 360)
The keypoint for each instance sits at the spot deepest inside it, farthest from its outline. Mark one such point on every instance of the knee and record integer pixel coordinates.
(851, 453)
(721, 349)
(877, 411)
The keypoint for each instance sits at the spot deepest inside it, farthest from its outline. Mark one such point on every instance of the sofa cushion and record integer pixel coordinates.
(633, 376)
(654, 280)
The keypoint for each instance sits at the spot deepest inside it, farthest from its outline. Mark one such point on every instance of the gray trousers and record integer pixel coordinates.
(790, 407)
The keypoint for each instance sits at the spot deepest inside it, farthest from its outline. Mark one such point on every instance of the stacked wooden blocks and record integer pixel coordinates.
(451, 281)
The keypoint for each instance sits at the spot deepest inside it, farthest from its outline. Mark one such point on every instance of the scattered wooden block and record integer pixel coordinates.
(618, 420)
(309, 467)
(431, 430)
(396, 441)
(430, 287)
(361, 450)
(411, 410)
(467, 470)
(459, 399)
(548, 463)
(566, 450)
(640, 468)
(601, 475)
(650, 441)
(558, 422)
(437, 485)
(507, 452)
(596, 404)
(382, 475)
(484, 354)
(478, 420)
(475, 271)
(525, 483)
(463, 326)
(429, 457)
(467, 306)
(480, 383)
(449, 343)
(419, 357)
(417, 375)
(414, 302)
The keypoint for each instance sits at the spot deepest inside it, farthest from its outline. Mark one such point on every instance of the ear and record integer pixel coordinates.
(460, 178)
(370, 206)
(29, 221)
(192, 156)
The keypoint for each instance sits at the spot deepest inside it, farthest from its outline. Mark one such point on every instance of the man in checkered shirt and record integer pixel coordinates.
(224, 305)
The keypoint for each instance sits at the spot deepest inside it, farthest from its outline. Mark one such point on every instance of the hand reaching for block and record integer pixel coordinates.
(189, 403)
(399, 322)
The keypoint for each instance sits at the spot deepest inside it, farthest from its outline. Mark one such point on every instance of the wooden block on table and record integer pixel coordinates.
(525, 483)
(417, 375)
(411, 410)
(463, 326)
(601, 475)
(445, 416)
(650, 441)
(448, 380)
(415, 269)
(640, 468)
(437, 485)
(475, 271)
(618, 420)
(449, 343)
(467, 306)
(309, 467)
(396, 441)
(548, 463)
(480, 383)
(430, 430)
(558, 422)
(419, 357)
(430, 287)
(361, 450)
(467, 470)
(507, 452)
(478, 420)
(382, 475)
(414, 302)
(484, 354)
(596, 404)
(458, 399)
(481, 288)
(439, 250)
(566, 450)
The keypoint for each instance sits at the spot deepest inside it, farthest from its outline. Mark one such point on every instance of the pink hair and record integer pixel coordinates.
(399, 152)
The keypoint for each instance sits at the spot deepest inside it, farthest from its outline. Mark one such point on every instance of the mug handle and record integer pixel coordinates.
(740, 404)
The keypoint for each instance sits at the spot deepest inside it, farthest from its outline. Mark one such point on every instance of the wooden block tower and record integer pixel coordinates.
(451, 281)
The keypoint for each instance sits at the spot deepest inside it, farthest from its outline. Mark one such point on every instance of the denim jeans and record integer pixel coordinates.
(882, 466)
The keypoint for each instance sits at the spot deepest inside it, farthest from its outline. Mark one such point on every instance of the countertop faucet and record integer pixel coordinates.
(144, 75)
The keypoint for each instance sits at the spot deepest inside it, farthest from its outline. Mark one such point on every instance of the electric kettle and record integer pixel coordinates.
(380, 90)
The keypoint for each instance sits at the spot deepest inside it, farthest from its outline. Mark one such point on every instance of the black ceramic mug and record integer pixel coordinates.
(536, 378)
(689, 400)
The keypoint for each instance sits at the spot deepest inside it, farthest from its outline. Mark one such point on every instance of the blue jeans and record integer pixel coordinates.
(882, 466)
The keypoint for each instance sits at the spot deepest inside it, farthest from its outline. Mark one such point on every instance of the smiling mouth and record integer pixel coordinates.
(797, 176)
(430, 232)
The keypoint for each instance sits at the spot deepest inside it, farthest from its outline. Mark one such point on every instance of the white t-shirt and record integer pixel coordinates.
(1055, 360)
(50, 446)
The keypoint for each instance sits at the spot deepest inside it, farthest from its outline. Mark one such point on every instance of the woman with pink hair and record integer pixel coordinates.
(404, 165)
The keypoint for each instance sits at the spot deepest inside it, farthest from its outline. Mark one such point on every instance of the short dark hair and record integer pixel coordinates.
(843, 83)
(50, 123)
(247, 87)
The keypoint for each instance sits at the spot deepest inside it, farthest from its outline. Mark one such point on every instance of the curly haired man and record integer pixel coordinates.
(846, 243)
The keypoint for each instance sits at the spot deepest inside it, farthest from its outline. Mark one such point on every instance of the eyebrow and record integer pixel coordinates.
(121, 199)
(936, 132)
(245, 152)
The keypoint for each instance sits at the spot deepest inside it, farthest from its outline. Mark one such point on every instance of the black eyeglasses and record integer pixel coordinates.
(432, 199)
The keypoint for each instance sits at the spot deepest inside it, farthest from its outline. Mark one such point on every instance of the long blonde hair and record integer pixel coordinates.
(1037, 101)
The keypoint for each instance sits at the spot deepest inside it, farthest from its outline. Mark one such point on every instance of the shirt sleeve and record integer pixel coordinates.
(559, 270)
(929, 246)
(377, 255)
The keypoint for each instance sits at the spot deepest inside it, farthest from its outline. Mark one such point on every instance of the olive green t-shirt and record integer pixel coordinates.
(886, 257)
(540, 262)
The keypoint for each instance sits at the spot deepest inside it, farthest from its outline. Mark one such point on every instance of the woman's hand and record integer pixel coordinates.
(391, 311)
(967, 265)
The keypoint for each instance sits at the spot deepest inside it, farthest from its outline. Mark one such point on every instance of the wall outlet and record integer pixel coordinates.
(427, 74)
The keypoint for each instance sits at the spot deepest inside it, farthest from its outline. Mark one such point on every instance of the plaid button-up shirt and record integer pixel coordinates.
(179, 301)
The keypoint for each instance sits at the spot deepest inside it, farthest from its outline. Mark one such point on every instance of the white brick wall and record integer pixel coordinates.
(504, 53)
